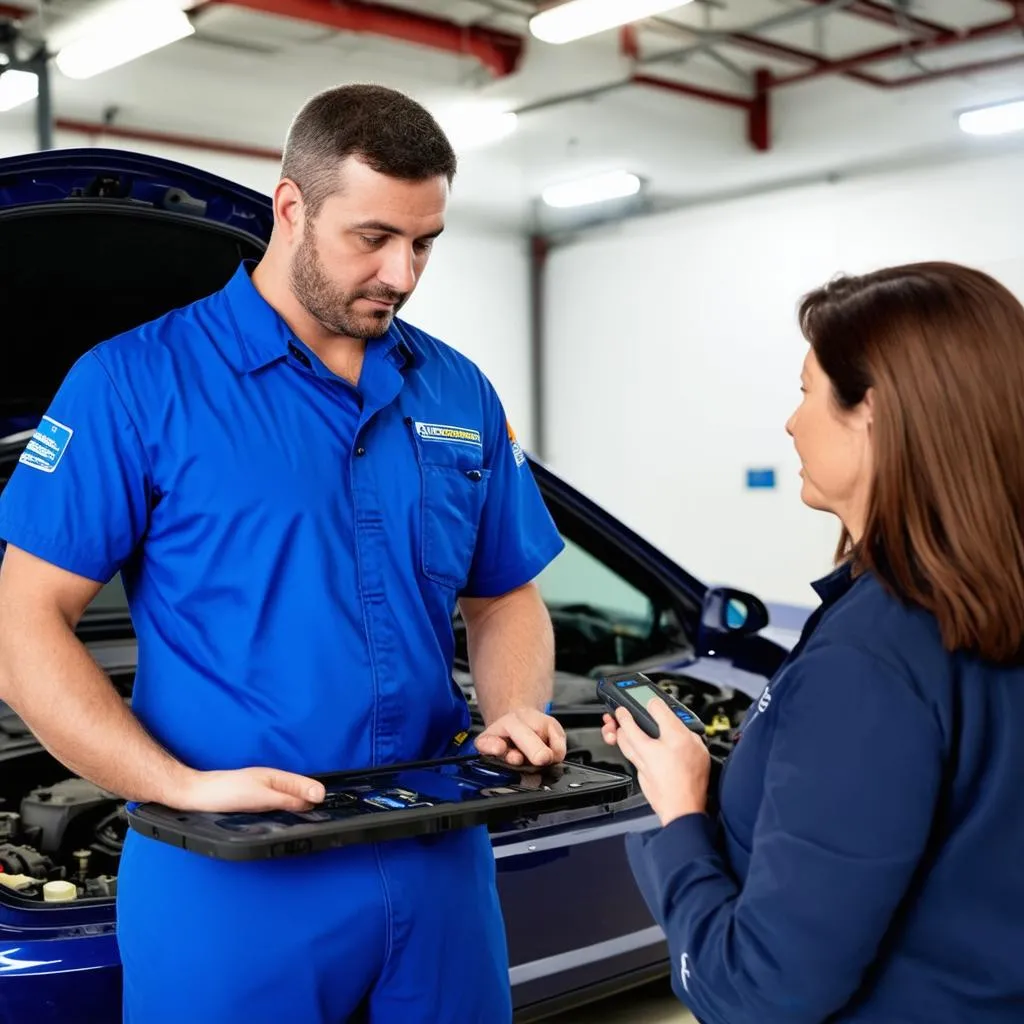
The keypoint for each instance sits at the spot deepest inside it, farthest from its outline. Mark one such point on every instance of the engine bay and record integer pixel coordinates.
(63, 843)
(61, 837)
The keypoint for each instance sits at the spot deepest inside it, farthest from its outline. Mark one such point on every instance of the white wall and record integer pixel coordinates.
(474, 295)
(674, 355)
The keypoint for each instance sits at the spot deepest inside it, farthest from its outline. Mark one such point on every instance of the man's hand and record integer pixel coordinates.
(249, 789)
(673, 770)
(523, 736)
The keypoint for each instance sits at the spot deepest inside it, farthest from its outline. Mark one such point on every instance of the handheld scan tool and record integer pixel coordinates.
(634, 692)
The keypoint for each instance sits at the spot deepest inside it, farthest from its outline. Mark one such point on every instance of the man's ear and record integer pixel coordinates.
(289, 209)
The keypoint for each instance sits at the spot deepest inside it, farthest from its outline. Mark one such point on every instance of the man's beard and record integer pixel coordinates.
(332, 307)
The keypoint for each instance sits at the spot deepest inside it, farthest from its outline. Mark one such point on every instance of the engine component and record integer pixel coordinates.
(24, 860)
(108, 840)
(105, 886)
(82, 856)
(720, 723)
(53, 810)
(59, 892)
(19, 883)
(9, 826)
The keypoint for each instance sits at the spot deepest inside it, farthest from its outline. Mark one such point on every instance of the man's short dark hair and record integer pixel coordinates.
(386, 129)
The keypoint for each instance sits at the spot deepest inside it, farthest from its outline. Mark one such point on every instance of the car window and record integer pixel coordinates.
(577, 577)
(602, 621)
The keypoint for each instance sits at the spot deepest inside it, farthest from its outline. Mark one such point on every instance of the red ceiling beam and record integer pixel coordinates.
(698, 92)
(949, 37)
(757, 108)
(629, 43)
(869, 10)
(95, 129)
(499, 52)
(931, 76)
(759, 125)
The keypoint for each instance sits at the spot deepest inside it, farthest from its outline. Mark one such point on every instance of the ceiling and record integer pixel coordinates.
(712, 98)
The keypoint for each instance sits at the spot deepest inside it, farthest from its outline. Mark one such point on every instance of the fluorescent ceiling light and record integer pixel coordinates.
(17, 87)
(579, 18)
(122, 33)
(995, 120)
(598, 189)
(472, 126)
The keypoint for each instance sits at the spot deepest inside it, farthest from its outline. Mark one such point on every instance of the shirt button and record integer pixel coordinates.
(474, 475)
(360, 452)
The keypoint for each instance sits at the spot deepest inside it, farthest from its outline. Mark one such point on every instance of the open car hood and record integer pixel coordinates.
(63, 175)
(94, 242)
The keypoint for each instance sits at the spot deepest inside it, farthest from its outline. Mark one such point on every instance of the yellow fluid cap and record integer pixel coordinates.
(59, 892)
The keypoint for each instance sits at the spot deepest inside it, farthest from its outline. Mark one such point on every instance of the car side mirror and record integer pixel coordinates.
(733, 611)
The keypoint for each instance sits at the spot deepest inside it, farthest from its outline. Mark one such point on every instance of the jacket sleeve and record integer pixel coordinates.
(846, 811)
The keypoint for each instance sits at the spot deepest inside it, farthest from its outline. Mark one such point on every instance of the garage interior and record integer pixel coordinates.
(636, 214)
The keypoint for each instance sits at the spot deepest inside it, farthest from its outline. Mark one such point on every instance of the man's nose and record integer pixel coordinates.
(398, 271)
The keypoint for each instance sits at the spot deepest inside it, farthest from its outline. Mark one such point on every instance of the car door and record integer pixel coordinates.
(576, 924)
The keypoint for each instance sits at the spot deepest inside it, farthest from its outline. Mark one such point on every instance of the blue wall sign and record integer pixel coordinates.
(760, 478)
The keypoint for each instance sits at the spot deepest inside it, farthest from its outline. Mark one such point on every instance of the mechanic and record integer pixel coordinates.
(866, 861)
(299, 489)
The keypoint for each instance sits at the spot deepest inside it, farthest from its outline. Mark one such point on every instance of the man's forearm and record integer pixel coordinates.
(511, 652)
(68, 702)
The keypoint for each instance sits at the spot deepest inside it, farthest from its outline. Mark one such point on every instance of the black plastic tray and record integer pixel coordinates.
(393, 802)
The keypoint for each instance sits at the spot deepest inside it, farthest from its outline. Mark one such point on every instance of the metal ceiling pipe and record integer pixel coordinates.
(950, 37)
(499, 52)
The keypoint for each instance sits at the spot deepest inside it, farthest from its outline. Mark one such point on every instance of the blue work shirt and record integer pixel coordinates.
(292, 547)
(868, 864)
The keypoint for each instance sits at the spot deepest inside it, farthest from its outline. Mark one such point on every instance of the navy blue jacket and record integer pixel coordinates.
(868, 860)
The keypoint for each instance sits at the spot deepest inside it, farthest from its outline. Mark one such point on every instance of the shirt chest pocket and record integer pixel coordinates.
(453, 491)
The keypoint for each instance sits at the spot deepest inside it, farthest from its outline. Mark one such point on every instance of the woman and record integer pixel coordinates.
(867, 863)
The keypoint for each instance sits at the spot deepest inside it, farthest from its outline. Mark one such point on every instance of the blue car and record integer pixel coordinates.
(93, 242)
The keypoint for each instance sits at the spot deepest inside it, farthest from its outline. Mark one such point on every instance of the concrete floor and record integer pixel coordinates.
(652, 1004)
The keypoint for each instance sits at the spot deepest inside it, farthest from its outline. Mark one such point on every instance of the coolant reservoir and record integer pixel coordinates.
(59, 892)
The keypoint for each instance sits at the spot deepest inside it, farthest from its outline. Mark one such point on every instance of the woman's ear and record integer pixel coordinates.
(866, 409)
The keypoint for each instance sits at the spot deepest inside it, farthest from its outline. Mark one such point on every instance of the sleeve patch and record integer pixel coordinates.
(517, 448)
(47, 445)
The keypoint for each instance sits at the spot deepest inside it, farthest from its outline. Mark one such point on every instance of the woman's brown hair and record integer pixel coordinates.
(942, 347)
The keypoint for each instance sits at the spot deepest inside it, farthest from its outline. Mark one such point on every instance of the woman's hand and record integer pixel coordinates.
(673, 770)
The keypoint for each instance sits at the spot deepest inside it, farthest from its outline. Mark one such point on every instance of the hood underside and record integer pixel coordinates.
(88, 253)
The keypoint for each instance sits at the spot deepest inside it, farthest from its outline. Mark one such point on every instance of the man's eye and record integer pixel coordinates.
(425, 245)
(372, 239)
